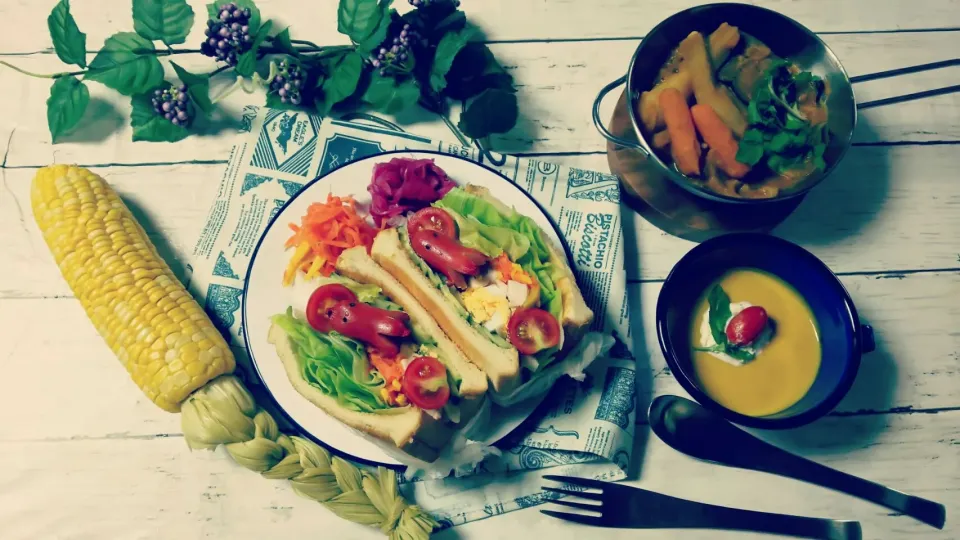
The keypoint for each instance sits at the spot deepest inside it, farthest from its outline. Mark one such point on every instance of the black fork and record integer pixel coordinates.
(624, 507)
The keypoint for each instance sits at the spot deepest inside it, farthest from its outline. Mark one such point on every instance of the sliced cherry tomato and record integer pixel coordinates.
(532, 330)
(425, 383)
(745, 326)
(433, 219)
(369, 324)
(322, 301)
(447, 256)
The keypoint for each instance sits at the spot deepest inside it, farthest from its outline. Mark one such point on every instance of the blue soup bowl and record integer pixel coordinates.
(842, 338)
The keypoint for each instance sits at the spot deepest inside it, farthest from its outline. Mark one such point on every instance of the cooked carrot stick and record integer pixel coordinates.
(684, 146)
(719, 137)
(661, 139)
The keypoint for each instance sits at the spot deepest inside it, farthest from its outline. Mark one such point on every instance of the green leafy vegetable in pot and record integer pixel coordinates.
(785, 132)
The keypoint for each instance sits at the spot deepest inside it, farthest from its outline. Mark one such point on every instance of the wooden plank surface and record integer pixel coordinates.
(154, 487)
(557, 85)
(88, 456)
(884, 209)
(79, 368)
(500, 20)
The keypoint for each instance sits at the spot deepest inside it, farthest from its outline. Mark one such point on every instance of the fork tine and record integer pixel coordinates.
(572, 493)
(576, 518)
(584, 482)
(578, 505)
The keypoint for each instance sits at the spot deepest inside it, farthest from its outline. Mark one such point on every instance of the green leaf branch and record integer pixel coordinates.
(428, 57)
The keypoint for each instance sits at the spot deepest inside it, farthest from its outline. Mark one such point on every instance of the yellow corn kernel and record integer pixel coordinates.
(395, 386)
(131, 296)
(401, 400)
(385, 394)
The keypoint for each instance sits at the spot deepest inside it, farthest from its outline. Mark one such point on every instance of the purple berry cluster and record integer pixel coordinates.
(174, 105)
(425, 3)
(395, 52)
(228, 34)
(287, 82)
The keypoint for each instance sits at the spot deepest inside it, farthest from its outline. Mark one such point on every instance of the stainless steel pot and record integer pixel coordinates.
(788, 39)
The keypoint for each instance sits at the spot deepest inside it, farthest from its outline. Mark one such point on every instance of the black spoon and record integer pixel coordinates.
(689, 428)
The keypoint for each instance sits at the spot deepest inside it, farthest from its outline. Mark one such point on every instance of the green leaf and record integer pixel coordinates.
(750, 153)
(391, 96)
(69, 42)
(379, 34)
(474, 70)
(342, 82)
(493, 111)
(127, 63)
(213, 10)
(247, 62)
(719, 314)
(148, 125)
(447, 51)
(282, 42)
(781, 141)
(358, 19)
(198, 87)
(738, 353)
(169, 21)
(453, 22)
(65, 106)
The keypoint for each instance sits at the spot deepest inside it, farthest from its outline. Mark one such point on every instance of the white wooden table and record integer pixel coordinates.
(84, 455)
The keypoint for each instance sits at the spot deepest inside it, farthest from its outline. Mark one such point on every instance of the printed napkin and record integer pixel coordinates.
(584, 428)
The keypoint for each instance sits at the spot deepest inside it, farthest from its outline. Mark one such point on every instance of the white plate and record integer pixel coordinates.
(264, 294)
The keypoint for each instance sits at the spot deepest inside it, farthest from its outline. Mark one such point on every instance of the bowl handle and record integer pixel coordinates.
(598, 123)
(868, 342)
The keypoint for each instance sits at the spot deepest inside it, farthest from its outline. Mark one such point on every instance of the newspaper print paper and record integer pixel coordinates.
(584, 428)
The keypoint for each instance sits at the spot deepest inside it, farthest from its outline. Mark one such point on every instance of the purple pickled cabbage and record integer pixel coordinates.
(401, 185)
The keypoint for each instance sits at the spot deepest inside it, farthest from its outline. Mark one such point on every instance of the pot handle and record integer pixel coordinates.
(905, 71)
(868, 341)
(598, 123)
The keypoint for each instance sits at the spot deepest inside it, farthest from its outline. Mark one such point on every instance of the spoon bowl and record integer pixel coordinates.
(698, 432)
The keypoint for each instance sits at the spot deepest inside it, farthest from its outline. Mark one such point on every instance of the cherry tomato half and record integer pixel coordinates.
(425, 383)
(433, 219)
(532, 330)
(747, 325)
(322, 300)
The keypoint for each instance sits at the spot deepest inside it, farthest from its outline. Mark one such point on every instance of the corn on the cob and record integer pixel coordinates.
(162, 336)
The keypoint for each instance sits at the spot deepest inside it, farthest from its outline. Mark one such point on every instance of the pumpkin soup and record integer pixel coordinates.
(756, 348)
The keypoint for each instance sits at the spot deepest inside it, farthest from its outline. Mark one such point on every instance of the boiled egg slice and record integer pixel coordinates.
(516, 293)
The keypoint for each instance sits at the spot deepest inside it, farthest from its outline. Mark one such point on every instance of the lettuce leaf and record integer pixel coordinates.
(334, 364)
(493, 232)
(490, 240)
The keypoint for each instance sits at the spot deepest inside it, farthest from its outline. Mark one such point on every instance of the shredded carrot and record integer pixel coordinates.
(389, 367)
(510, 270)
(324, 232)
(504, 265)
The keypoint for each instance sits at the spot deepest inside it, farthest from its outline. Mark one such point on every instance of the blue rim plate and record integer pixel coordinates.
(263, 296)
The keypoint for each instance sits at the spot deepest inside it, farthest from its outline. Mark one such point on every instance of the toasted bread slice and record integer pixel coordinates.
(409, 428)
(357, 265)
(576, 316)
(501, 365)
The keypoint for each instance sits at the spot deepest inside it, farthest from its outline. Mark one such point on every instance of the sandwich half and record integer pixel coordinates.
(493, 281)
(367, 353)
